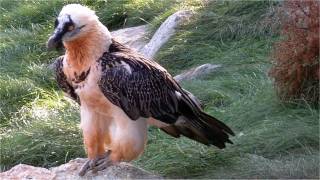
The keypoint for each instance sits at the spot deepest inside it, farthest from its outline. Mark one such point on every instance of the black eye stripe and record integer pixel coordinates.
(70, 20)
(56, 22)
(64, 29)
(81, 26)
(67, 25)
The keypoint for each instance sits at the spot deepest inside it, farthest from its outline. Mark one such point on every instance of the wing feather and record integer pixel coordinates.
(62, 80)
(142, 88)
(141, 91)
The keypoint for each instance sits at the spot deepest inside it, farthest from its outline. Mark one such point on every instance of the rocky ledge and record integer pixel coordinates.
(70, 171)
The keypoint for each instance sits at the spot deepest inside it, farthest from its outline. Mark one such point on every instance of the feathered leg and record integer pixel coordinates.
(94, 139)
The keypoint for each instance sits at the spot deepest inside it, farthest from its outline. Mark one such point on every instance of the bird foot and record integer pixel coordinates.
(97, 164)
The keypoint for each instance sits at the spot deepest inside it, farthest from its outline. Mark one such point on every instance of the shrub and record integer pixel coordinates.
(296, 57)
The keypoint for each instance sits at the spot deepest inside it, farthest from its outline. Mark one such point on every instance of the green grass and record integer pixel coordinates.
(273, 139)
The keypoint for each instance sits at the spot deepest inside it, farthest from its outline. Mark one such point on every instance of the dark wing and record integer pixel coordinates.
(142, 88)
(138, 87)
(62, 80)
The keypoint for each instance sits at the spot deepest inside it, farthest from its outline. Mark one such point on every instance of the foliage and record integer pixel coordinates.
(35, 120)
(296, 57)
(114, 14)
(24, 65)
(38, 126)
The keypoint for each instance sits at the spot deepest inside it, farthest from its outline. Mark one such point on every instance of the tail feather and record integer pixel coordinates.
(212, 130)
(215, 122)
(187, 131)
(202, 127)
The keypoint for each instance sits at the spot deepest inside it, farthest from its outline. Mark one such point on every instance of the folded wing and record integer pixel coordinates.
(142, 88)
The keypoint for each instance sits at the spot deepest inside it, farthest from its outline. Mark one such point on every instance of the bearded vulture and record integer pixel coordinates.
(120, 92)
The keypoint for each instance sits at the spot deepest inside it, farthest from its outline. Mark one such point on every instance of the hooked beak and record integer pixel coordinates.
(63, 30)
(55, 40)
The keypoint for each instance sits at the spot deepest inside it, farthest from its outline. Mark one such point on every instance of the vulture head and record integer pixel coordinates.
(74, 21)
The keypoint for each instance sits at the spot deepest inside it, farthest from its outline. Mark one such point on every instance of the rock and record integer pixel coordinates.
(134, 37)
(23, 171)
(71, 169)
(196, 72)
(165, 31)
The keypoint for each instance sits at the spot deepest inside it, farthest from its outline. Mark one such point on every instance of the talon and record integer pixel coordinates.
(92, 163)
(89, 165)
(100, 161)
(94, 170)
(97, 164)
(103, 165)
(84, 168)
(103, 158)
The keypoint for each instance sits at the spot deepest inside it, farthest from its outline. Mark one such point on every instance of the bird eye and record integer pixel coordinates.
(71, 28)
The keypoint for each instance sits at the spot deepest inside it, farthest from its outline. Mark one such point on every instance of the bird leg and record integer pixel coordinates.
(97, 164)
